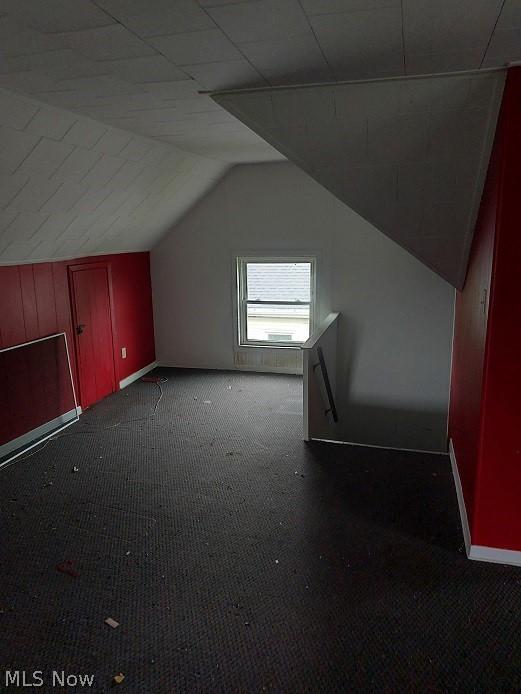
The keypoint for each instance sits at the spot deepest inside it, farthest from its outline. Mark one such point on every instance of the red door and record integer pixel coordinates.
(92, 318)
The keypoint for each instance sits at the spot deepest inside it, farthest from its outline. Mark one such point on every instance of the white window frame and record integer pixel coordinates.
(242, 301)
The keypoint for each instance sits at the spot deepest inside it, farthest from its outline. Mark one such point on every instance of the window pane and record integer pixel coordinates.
(278, 281)
(269, 323)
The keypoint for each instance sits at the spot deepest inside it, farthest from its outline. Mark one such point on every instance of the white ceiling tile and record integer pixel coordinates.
(10, 186)
(17, 63)
(52, 123)
(102, 172)
(65, 64)
(196, 47)
(112, 203)
(364, 44)
(85, 133)
(63, 199)
(505, 47)
(426, 95)
(296, 108)
(398, 139)
(510, 16)
(23, 227)
(126, 175)
(112, 142)
(448, 142)
(180, 17)
(99, 86)
(366, 98)
(14, 148)
(46, 157)
(15, 113)
(78, 164)
(55, 225)
(294, 60)
(64, 15)
(87, 204)
(107, 43)
(136, 149)
(312, 7)
(29, 41)
(261, 20)
(153, 68)
(30, 82)
(156, 155)
(225, 75)
(19, 250)
(180, 89)
(446, 61)
(33, 196)
(445, 25)
(216, 3)
(133, 7)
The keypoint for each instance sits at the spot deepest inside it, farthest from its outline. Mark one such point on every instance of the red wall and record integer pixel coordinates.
(35, 302)
(485, 410)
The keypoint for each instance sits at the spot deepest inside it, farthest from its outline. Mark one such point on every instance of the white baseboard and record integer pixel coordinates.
(234, 367)
(373, 445)
(461, 499)
(37, 436)
(136, 375)
(496, 555)
(37, 433)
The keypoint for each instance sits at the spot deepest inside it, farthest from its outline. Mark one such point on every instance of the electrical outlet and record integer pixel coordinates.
(123, 352)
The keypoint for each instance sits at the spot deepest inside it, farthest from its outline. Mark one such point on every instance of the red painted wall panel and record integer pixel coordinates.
(12, 324)
(35, 301)
(498, 505)
(470, 333)
(485, 410)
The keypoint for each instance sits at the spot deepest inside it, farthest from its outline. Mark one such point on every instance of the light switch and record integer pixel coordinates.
(123, 352)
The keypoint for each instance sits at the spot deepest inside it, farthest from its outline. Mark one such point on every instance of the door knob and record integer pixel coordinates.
(80, 328)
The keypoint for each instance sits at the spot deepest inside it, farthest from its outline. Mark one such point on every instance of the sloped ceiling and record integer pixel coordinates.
(139, 64)
(409, 155)
(71, 186)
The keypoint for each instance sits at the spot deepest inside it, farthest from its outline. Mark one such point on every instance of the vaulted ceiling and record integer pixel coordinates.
(140, 70)
(409, 155)
(139, 64)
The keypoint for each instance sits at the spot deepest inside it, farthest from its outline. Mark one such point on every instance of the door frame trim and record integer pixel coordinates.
(82, 267)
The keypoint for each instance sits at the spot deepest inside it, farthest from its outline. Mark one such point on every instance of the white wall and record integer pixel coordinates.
(396, 327)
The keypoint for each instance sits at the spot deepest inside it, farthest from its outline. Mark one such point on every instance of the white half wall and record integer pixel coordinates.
(396, 326)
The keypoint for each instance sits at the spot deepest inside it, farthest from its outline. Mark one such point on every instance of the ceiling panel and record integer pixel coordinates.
(178, 18)
(196, 47)
(447, 26)
(109, 58)
(312, 7)
(261, 20)
(409, 155)
(107, 43)
(295, 60)
(63, 15)
(73, 186)
(150, 68)
(362, 44)
(505, 43)
(225, 74)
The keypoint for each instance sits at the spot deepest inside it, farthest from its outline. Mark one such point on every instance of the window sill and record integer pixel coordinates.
(250, 345)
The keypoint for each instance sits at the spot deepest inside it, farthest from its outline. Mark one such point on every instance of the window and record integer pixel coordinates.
(275, 301)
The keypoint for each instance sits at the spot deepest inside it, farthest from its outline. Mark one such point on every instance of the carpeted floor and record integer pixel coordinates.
(236, 558)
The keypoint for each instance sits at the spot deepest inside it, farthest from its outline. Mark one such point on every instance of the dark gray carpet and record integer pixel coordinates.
(257, 562)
